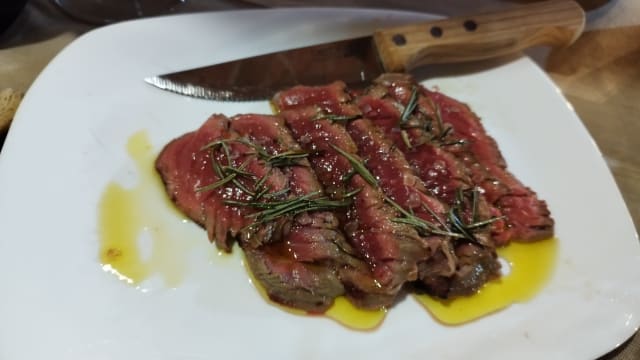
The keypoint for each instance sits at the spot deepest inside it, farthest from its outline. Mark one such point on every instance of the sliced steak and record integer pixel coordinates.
(475, 265)
(444, 176)
(450, 129)
(528, 218)
(329, 99)
(355, 194)
(306, 286)
(391, 249)
(184, 168)
(296, 258)
(394, 174)
(310, 237)
(441, 172)
(447, 271)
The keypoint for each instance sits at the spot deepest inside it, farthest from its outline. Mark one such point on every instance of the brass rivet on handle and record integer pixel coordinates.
(470, 25)
(399, 39)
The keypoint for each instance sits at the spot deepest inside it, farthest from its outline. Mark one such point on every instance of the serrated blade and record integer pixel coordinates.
(354, 61)
(395, 49)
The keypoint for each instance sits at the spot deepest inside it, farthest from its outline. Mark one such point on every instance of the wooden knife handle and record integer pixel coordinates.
(476, 37)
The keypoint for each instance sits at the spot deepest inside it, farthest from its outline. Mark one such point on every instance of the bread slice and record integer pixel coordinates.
(9, 101)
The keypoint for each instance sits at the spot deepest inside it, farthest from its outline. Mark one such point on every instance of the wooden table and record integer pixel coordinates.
(599, 75)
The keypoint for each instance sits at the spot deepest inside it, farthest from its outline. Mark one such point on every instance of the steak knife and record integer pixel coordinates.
(357, 61)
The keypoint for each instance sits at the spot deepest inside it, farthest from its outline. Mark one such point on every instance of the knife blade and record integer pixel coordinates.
(402, 48)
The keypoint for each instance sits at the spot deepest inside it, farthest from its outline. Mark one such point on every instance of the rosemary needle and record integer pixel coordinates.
(216, 184)
(411, 105)
(336, 117)
(358, 166)
(405, 138)
(272, 210)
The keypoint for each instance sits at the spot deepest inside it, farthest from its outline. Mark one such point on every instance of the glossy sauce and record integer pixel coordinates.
(530, 267)
(142, 235)
(342, 311)
(352, 317)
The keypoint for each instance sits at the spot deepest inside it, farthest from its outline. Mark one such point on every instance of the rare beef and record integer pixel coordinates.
(441, 172)
(392, 249)
(446, 273)
(394, 174)
(475, 265)
(445, 133)
(211, 175)
(312, 237)
(444, 176)
(442, 272)
(528, 218)
(185, 169)
(355, 194)
(329, 99)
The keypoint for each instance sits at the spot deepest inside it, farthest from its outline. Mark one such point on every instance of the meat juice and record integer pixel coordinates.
(127, 215)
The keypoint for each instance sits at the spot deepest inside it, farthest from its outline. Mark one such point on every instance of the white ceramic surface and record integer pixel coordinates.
(68, 141)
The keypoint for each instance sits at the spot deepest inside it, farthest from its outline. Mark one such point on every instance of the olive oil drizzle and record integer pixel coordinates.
(141, 233)
(342, 311)
(530, 267)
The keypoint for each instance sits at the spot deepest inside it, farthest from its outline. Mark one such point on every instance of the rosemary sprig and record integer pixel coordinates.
(214, 144)
(455, 218)
(260, 151)
(216, 166)
(230, 173)
(475, 193)
(411, 105)
(357, 166)
(432, 125)
(478, 224)
(347, 177)
(423, 226)
(287, 158)
(272, 210)
(443, 135)
(428, 125)
(241, 186)
(454, 228)
(237, 170)
(455, 142)
(261, 181)
(227, 152)
(226, 173)
(435, 216)
(216, 184)
(420, 224)
(405, 138)
(457, 222)
(260, 192)
(458, 225)
(336, 117)
(438, 115)
(351, 193)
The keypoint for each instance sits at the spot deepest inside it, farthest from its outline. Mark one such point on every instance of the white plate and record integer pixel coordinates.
(68, 141)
